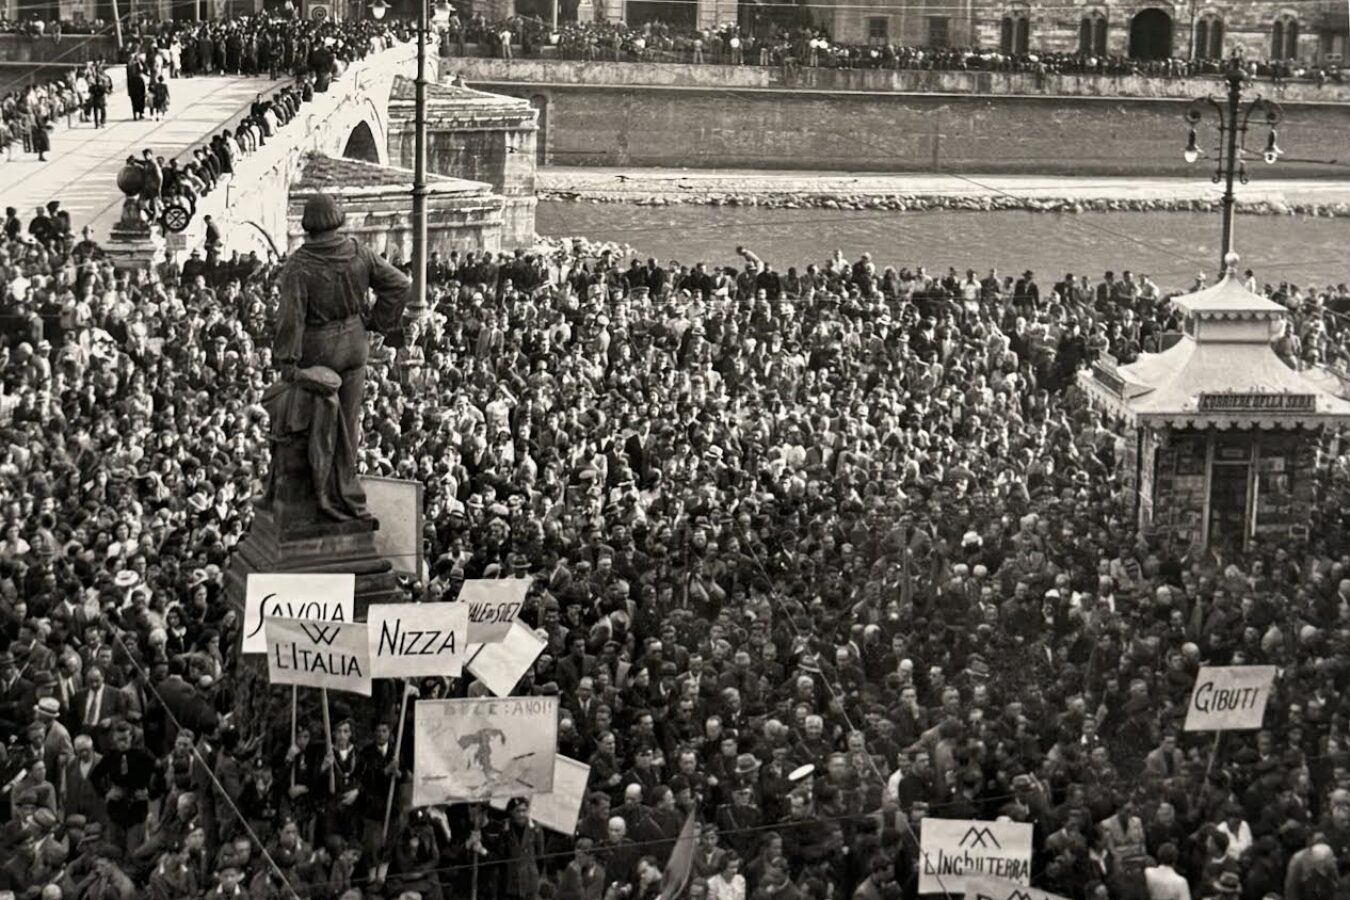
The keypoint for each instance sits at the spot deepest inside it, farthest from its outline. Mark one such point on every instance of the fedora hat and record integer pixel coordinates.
(48, 707)
(1228, 883)
(747, 764)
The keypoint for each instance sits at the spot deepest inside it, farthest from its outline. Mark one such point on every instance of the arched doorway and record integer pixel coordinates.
(1151, 35)
(361, 145)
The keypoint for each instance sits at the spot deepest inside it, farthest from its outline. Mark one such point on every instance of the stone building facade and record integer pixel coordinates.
(1307, 30)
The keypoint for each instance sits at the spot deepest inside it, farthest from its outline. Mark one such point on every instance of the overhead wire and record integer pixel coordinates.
(220, 791)
(924, 7)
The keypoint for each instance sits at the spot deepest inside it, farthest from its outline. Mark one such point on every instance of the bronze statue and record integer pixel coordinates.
(322, 344)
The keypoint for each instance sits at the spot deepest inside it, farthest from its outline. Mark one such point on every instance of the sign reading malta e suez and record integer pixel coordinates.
(1229, 698)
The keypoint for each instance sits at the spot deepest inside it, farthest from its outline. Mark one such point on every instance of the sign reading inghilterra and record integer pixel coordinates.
(956, 848)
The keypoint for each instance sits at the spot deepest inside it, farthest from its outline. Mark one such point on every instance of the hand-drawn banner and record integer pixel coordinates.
(475, 750)
(397, 504)
(493, 605)
(318, 654)
(319, 597)
(412, 640)
(500, 666)
(1229, 698)
(956, 848)
(560, 808)
(980, 887)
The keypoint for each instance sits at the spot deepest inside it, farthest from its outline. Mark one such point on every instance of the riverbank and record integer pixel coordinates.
(1322, 198)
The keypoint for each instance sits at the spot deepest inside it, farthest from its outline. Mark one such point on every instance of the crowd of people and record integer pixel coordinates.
(313, 52)
(29, 113)
(846, 515)
(810, 46)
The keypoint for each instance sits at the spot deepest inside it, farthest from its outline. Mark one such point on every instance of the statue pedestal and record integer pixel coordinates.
(274, 546)
(134, 249)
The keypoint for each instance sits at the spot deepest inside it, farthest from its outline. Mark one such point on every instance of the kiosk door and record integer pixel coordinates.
(1229, 500)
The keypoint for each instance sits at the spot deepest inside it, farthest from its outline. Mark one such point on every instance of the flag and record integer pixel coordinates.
(681, 865)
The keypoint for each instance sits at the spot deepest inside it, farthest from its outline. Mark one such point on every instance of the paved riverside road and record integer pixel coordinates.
(618, 184)
(81, 169)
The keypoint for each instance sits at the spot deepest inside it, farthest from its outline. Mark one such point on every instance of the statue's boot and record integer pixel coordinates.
(331, 510)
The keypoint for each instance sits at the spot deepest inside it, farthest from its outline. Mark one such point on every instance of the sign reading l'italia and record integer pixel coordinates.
(318, 654)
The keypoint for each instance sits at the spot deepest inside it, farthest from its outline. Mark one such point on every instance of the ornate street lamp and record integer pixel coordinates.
(1233, 123)
(417, 306)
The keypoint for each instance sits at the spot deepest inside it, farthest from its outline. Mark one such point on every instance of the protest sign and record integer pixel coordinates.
(412, 640)
(493, 605)
(318, 654)
(982, 887)
(1229, 698)
(501, 665)
(475, 750)
(956, 848)
(560, 808)
(397, 505)
(317, 597)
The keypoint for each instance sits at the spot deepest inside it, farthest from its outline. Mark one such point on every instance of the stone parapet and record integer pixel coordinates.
(477, 136)
(489, 73)
(461, 215)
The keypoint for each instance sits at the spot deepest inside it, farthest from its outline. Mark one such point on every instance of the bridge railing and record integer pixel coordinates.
(250, 206)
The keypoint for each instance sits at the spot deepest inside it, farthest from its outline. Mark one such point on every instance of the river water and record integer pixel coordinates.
(1169, 246)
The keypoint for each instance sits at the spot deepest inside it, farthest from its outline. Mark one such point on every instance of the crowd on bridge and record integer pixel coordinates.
(845, 515)
(813, 47)
(311, 52)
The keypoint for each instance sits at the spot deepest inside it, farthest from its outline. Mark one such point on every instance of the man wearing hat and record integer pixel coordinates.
(17, 697)
(740, 820)
(321, 324)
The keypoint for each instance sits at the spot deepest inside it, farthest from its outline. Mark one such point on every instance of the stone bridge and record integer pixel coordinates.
(361, 118)
(350, 120)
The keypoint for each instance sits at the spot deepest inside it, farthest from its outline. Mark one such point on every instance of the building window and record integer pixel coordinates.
(1209, 37)
(878, 30)
(939, 31)
(1016, 34)
(1284, 38)
(1092, 35)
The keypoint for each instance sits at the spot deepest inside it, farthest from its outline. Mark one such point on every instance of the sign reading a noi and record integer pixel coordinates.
(1229, 698)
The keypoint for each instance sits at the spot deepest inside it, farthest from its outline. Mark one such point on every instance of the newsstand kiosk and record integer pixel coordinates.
(1223, 439)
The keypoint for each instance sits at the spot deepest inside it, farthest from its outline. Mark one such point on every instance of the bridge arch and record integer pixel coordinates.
(361, 145)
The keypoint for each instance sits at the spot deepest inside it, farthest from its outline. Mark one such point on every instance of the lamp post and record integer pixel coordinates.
(417, 306)
(1233, 122)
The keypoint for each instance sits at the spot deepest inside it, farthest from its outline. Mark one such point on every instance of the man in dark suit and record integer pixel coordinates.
(97, 706)
(583, 703)
(576, 665)
(638, 448)
(185, 706)
(76, 787)
(17, 697)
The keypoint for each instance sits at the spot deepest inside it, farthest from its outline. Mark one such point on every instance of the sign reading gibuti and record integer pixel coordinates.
(1229, 698)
